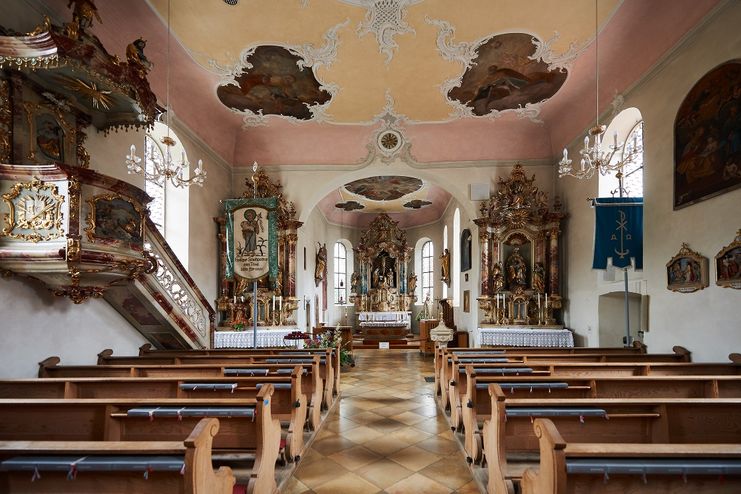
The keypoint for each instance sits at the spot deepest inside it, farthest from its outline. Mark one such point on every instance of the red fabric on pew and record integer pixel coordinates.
(239, 489)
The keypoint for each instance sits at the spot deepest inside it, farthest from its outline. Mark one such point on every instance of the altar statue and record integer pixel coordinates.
(497, 278)
(539, 278)
(321, 264)
(445, 266)
(516, 270)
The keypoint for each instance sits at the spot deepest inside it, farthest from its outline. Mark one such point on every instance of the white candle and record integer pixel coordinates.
(546, 300)
(280, 303)
(273, 303)
(497, 301)
(235, 299)
(538, 300)
(200, 166)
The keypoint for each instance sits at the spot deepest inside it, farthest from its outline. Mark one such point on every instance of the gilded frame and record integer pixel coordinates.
(90, 231)
(34, 110)
(687, 271)
(728, 264)
(52, 204)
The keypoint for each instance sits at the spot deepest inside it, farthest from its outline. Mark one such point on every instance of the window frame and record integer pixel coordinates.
(339, 272)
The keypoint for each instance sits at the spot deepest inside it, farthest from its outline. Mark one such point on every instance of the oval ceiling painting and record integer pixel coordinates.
(386, 188)
(275, 85)
(502, 76)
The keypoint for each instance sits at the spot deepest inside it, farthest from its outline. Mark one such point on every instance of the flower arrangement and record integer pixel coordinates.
(238, 326)
(331, 338)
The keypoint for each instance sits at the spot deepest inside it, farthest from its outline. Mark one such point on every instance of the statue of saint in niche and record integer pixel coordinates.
(516, 270)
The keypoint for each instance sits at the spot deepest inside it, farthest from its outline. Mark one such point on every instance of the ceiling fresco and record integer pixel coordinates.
(274, 82)
(503, 76)
(385, 188)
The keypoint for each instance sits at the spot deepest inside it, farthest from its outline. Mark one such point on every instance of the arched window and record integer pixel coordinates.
(170, 207)
(428, 273)
(445, 246)
(456, 267)
(627, 126)
(155, 188)
(340, 273)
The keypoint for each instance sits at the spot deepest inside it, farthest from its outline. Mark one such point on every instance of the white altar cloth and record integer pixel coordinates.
(265, 338)
(550, 338)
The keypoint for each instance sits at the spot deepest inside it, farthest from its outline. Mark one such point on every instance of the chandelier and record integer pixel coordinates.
(594, 157)
(168, 168)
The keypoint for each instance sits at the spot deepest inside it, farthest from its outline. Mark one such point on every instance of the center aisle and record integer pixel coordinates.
(385, 435)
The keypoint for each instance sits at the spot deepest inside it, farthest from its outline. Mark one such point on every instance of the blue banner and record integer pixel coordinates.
(618, 232)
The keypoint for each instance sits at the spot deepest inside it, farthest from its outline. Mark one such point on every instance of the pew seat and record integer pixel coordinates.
(629, 467)
(115, 467)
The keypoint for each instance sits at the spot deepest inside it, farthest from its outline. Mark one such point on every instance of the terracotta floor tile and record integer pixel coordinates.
(332, 445)
(408, 418)
(449, 471)
(414, 458)
(315, 474)
(362, 434)
(386, 425)
(356, 457)
(347, 483)
(470, 488)
(439, 446)
(294, 486)
(383, 472)
(417, 483)
(386, 444)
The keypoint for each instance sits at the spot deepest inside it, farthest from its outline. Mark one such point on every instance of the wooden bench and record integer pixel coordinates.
(246, 426)
(115, 467)
(477, 402)
(327, 363)
(631, 420)
(313, 384)
(334, 355)
(440, 352)
(451, 361)
(586, 370)
(572, 467)
(288, 404)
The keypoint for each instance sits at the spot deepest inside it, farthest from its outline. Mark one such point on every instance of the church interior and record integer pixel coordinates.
(372, 246)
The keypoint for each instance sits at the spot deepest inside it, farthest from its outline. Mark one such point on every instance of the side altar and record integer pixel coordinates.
(257, 235)
(519, 236)
(382, 286)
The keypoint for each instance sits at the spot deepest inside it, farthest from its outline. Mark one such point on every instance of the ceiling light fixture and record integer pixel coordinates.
(593, 157)
(167, 169)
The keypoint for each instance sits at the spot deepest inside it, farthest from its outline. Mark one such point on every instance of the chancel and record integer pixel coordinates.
(370, 246)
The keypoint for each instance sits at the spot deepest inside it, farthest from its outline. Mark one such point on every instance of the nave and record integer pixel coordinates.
(386, 434)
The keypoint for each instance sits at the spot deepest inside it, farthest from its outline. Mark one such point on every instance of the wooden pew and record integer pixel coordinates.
(246, 426)
(587, 370)
(288, 401)
(637, 348)
(147, 349)
(609, 420)
(326, 363)
(313, 384)
(572, 467)
(448, 364)
(477, 403)
(152, 473)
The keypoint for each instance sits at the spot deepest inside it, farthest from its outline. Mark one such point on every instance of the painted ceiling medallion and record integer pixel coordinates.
(274, 85)
(416, 204)
(280, 81)
(506, 72)
(349, 205)
(384, 188)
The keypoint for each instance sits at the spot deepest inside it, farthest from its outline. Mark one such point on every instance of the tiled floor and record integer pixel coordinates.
(386, 434)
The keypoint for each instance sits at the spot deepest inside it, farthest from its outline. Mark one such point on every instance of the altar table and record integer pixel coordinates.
(536, 337)
(265, 338)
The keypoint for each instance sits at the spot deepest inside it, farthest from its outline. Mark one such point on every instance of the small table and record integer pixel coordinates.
(265, 338)
(535, 337)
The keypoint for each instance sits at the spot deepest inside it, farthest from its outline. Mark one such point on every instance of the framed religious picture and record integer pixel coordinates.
(707, 137)
(728, 264)
(687, 272)
(465, 250)
(466, 300)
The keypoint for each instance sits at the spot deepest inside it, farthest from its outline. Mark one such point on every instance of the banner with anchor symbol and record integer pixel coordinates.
(618, 232)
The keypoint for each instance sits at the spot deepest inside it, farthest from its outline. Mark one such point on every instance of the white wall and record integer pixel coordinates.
(705, 322)
(37, 325)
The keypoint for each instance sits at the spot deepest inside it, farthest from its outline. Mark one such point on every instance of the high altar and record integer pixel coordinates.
(519, 236)
(382, 288)
(276, 291)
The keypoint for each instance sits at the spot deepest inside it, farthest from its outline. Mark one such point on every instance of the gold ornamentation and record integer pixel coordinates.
(687, 271)
(6, 122)
(73, 249)
(99, 98)
(35, 207)
(32, 111)
(121, 229)
(83, 157)
(79, 294)
(728, 264)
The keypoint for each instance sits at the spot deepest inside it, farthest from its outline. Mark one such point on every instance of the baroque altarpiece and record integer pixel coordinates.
(276, 291)
(383, 288)
(519, 236)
